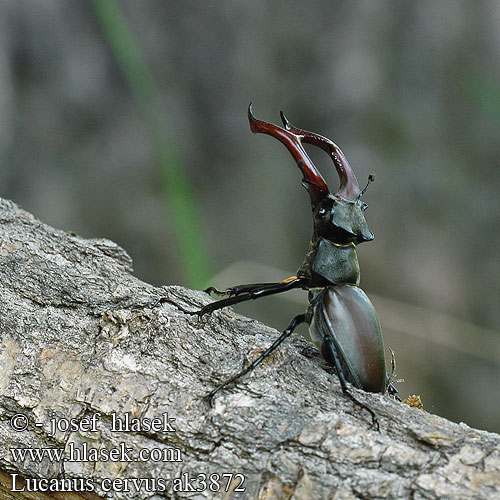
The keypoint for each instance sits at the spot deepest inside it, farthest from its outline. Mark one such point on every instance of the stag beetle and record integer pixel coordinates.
(342, 320)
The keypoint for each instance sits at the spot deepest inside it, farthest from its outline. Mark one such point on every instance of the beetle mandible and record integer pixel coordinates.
(342, 321)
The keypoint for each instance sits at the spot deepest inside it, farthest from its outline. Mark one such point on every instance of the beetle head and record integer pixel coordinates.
(337, 217)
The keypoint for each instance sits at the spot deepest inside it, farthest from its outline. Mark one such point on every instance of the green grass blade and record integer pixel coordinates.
(177, 189)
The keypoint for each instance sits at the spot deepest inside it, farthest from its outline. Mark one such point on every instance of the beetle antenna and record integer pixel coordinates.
(371, 178)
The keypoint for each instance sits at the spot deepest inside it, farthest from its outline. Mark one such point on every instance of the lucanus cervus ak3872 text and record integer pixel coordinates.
(342, 320)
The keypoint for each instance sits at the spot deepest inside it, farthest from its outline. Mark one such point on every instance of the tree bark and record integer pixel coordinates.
(83, 350)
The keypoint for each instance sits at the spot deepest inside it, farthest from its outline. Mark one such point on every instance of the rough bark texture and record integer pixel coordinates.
(79, 338)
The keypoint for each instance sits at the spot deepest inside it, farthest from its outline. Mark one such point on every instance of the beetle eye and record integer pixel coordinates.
(364, 206)
(321, 211)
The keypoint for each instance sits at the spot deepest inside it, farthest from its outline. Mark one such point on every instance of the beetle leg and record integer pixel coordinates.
(301, 318)
(212, 289)
(248, 288)
(391, 378)
(239, 289)
(343, 382)
(242, 293)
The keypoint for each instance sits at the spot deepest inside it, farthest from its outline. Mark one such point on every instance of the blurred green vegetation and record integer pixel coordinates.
(177, 189)
(484, 90)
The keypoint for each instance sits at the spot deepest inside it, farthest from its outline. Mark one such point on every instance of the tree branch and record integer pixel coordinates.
(82, 349)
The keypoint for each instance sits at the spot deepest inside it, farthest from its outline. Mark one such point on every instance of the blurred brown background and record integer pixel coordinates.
(409, 90)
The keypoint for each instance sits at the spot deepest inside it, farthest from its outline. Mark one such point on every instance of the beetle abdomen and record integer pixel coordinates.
(349, 318)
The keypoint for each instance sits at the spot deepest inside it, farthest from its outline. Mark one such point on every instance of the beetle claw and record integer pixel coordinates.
(212, 289)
